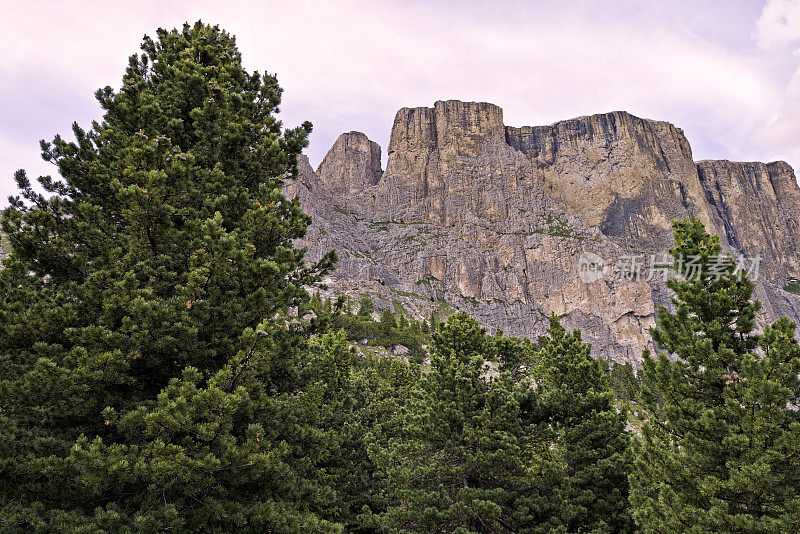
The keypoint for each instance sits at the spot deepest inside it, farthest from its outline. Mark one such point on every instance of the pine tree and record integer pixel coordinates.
(468, 455)
(716, 450)
(329, 367)
(366, 307)
(381, 388)
(403, 323)
(591, 441)
(149, 368)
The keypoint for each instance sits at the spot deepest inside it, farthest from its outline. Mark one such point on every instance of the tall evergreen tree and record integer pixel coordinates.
(469, 454)
(716, 450)
(148, 367)
(591, 442)
(380, 389)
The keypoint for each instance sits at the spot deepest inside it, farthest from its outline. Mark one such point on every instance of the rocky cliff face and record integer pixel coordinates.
(472, 214)
(351, 165)
(757, 206)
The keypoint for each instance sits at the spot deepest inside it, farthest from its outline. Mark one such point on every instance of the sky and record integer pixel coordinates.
(726, 71)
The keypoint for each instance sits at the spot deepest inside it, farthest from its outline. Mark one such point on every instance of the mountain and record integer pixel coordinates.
(497, 220)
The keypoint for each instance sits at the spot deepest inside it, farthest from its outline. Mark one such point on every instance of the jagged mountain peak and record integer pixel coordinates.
(351, 165)
(493, 219)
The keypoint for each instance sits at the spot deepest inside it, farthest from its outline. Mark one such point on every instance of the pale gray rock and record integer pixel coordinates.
(474, 215)
(351, 165)
(757, 205)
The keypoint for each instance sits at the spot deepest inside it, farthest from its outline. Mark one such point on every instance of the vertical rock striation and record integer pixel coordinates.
(492, 219)
(351, 165)
(629, 176)
(758, 206)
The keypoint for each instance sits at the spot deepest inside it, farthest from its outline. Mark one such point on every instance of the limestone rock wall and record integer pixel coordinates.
(351, 165)
(472, 214)
(758, 206)
(628, 176)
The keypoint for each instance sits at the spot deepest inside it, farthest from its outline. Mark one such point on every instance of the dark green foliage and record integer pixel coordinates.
(470, 455)
(388, 322)
(381, 388)
(387, 332)
(517, 356)
(366, 308)
(330, 363)
(590, 442)
(136, 393)
(402, 322)
(4, 246)
(623, 381)
(793, 287)
(717, 450)
(360, 401)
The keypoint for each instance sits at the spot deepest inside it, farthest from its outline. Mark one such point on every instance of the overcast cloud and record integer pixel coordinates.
(727, 72)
